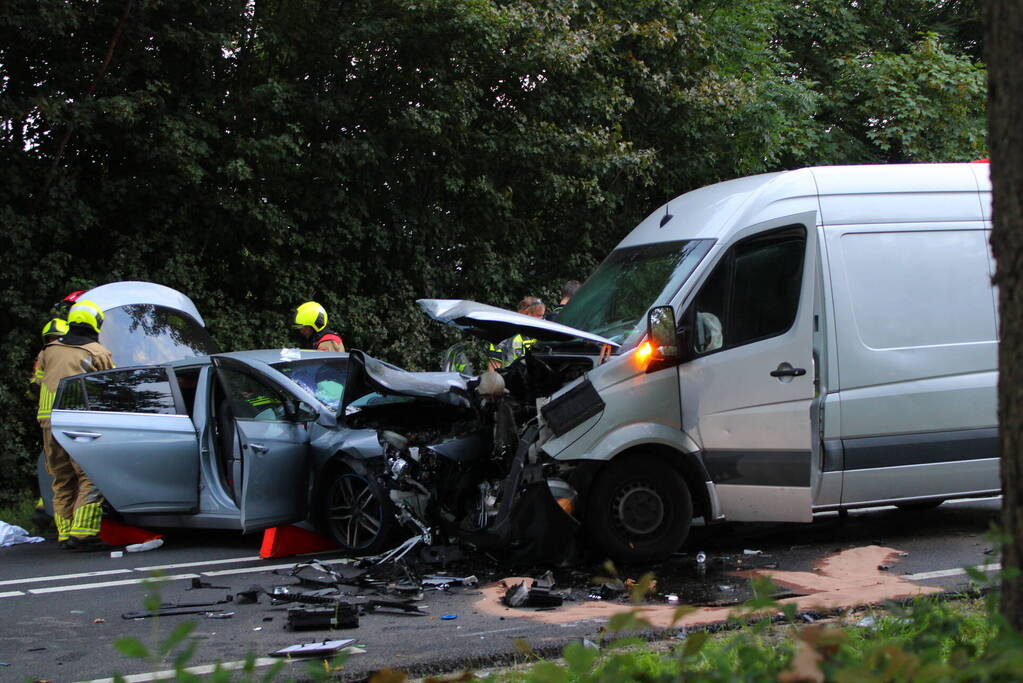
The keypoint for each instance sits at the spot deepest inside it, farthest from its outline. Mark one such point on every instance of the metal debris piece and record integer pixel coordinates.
(219, 615)
(752, 552)
(326, 647)
(168, 611)
(373, 605)
(208, 603)
(443, 582)
(198, 583)
(341, 615)
(538, 595)
(248, 596)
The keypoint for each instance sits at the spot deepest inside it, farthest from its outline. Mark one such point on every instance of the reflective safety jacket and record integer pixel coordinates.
(510, 350)
(58, 360)
(327, 340)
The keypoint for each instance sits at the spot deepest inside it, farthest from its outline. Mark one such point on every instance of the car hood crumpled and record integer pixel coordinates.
(496, 324)
(367, 375)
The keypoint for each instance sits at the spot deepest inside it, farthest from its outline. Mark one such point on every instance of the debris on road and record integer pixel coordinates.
(197, 584)
(342, 615)
(143, 547)
(319, 649)
(539, 594)
(167, 611)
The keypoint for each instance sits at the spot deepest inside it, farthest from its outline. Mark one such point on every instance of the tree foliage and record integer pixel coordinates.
(259, 153)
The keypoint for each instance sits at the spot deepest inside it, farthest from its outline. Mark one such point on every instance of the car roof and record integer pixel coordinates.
(269, 356)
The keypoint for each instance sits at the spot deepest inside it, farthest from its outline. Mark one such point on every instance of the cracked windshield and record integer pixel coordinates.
(324, 379)
(614, 300)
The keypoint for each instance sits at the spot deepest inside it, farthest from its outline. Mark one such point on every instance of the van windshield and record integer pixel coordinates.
(614, 301)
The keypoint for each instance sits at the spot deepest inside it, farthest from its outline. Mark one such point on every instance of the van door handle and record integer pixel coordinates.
(258, 447)
(85, 436)
(786, 370)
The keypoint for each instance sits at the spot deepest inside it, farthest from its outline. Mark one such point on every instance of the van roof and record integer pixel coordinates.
(847, 194)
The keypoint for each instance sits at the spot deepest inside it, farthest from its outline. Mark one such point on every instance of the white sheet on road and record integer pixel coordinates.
(12, 535)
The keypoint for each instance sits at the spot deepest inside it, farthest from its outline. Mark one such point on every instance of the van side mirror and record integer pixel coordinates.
(661, 333)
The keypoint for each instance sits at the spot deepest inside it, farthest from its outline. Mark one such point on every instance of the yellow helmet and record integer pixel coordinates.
(312, 314)
(86, 312)
(57, 327)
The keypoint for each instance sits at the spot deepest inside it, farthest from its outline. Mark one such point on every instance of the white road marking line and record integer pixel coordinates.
(941, 573)
(10, 594)
(197, 670)
(266, 568)
(496, 630)
(61, 577)
(204, 669)
(107, 584)
(182, 565)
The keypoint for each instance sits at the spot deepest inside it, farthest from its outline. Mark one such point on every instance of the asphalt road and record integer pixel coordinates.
(60, 612)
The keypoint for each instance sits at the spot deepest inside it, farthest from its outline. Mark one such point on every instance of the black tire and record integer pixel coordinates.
(920, 505)
(639, 510)
(356, 512)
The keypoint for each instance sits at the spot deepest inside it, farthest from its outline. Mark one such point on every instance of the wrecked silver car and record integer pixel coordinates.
(463, 462)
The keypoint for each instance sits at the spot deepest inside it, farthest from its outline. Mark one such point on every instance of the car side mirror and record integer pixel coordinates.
(661, 333)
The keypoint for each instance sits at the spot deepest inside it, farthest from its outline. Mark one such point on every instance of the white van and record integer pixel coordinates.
(789, 343)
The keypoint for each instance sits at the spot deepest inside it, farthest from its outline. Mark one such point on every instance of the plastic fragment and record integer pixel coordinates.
(449, 617)
(143, 547)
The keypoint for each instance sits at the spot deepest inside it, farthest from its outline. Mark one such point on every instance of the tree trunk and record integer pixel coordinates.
(1005, 138)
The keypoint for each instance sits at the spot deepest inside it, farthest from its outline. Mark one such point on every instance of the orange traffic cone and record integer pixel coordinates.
(282, 541)
(116, 533)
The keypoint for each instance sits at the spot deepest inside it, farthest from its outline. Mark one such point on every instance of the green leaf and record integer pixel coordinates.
(179, 633)
(694, 642)
(131, 647)
(182, 659)
(548, 672)
(579, 657)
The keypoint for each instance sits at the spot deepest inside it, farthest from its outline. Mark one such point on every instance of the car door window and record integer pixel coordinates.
(252, 399)
(753, 292)
(132, 390)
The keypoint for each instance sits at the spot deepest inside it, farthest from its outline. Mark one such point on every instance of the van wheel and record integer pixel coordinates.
(639, 510)
(356, 513)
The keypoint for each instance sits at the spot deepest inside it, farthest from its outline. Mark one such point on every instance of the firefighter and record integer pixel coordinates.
(54, 329)
(77, 504)
(311, 323)
(513, 348)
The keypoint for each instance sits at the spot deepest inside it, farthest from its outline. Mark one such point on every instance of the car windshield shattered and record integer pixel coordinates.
(324, 378)
(615, 299)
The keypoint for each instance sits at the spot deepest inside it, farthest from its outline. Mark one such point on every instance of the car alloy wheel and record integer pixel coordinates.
(354, 512)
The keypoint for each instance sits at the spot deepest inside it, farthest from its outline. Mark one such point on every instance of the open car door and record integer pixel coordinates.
(271, 416)
(129, 430)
